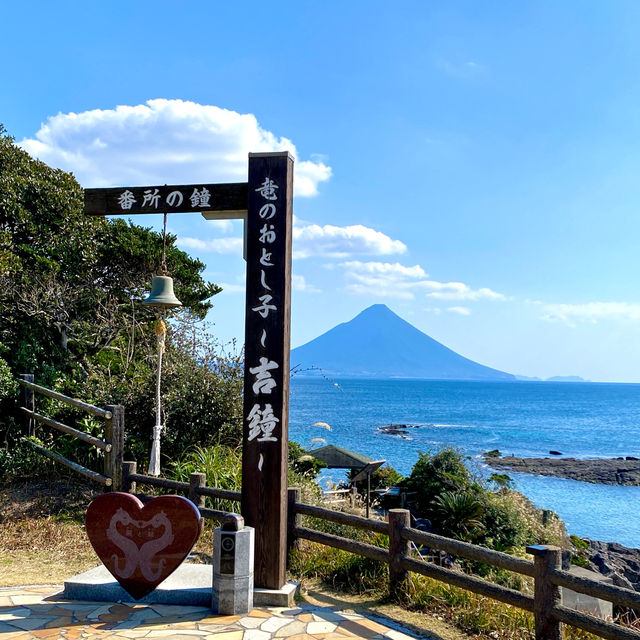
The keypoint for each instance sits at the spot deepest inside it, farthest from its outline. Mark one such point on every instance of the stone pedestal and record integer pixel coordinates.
(233, 556)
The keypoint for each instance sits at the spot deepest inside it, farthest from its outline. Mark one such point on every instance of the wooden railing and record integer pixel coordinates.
(112, 445)
(545, 604)
(196, 489)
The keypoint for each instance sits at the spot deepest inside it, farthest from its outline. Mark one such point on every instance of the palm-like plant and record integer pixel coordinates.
(460, 514)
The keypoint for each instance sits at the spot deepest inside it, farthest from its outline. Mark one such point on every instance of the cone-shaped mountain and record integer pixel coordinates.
(379, 344)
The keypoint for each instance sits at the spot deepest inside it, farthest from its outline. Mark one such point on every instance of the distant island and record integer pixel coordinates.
(377, 343)
(551, 379)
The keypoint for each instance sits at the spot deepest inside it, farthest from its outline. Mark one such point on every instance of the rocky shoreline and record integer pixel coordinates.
(620, 471)
(612, 560)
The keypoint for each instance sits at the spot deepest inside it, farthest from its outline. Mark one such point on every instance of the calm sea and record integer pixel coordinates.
(583, 420)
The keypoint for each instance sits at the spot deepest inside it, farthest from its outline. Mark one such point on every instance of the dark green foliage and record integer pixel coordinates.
(70, 312)
(460, 514)
(434, 473)
(460, 506)
(579, 543)
(501, 480)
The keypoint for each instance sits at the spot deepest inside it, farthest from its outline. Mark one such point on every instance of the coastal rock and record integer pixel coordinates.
(621, 564)
(603, 471)
(396, 429)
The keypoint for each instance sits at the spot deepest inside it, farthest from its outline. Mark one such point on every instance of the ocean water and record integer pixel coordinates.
(582, 420)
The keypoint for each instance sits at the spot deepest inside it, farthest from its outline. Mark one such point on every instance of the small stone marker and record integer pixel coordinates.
(233, 558)
(141, 545)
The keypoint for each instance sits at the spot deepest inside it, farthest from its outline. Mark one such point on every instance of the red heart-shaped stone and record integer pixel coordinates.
(141, 545)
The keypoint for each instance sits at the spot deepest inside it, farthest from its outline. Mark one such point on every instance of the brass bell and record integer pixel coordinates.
(162, 295)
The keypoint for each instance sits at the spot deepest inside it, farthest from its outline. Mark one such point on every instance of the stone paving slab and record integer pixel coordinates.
(41, 612)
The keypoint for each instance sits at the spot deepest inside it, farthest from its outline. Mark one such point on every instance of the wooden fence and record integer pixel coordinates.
(545, 604)
(112, 445)
(549, 578)
(546, 570)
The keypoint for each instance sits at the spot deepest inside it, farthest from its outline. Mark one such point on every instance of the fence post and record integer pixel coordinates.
(114, 434)
(546, 594)
(293, 519)
(29, 402)
(197, 481)
(398, 549)
(127, 469)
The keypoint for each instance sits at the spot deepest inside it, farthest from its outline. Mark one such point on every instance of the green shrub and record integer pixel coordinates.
(434, 473)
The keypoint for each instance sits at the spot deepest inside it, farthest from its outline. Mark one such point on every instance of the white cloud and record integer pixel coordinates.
(222, 226)
(227, 287)
(299, 283)
(311, 240)
(591, 312)
(459, 291)
(461, 69)
(395, 280)
(461, 311)
(163, 141)
(330, 241)
(213, 245)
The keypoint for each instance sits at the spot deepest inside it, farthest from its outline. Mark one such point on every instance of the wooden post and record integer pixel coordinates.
(266, 380)
(197, 481)
(398, 549)
(368, 493)
(294, 519)
(127, 469)
(29, 402)
(114, 434)
(546, 594)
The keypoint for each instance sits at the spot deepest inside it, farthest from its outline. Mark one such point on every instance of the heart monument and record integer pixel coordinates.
(141, 545)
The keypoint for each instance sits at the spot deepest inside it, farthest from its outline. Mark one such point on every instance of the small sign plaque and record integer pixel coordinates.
(191, 198)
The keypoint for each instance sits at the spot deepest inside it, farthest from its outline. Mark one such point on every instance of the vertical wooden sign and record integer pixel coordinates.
(266, 369)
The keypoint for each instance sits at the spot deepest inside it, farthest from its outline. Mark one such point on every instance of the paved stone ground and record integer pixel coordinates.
(39, 612)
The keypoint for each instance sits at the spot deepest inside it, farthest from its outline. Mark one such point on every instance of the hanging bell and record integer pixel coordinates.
(162, 295)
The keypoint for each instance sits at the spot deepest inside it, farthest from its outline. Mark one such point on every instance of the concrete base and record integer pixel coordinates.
(189, 585)
(284, 597)
(582, 602)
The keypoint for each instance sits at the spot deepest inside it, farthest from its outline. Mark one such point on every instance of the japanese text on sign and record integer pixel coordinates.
(261, 419)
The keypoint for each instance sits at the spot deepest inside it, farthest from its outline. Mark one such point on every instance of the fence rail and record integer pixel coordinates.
(549, 614)
(85, 406)
(112, 445)
(74, 466)
(81, 435)
(195, 489)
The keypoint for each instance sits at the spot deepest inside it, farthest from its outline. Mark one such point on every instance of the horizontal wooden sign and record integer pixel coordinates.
(190, 198)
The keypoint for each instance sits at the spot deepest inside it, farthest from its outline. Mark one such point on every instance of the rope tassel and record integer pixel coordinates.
(154, 459)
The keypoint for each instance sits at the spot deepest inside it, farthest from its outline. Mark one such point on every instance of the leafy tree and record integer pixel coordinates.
(462, 507)
(70, 312)
(433, 474)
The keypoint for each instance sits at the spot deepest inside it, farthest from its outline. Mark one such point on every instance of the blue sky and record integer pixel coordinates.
(474, 165)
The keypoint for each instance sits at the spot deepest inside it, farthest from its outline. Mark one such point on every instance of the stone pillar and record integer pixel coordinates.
(233, 558)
